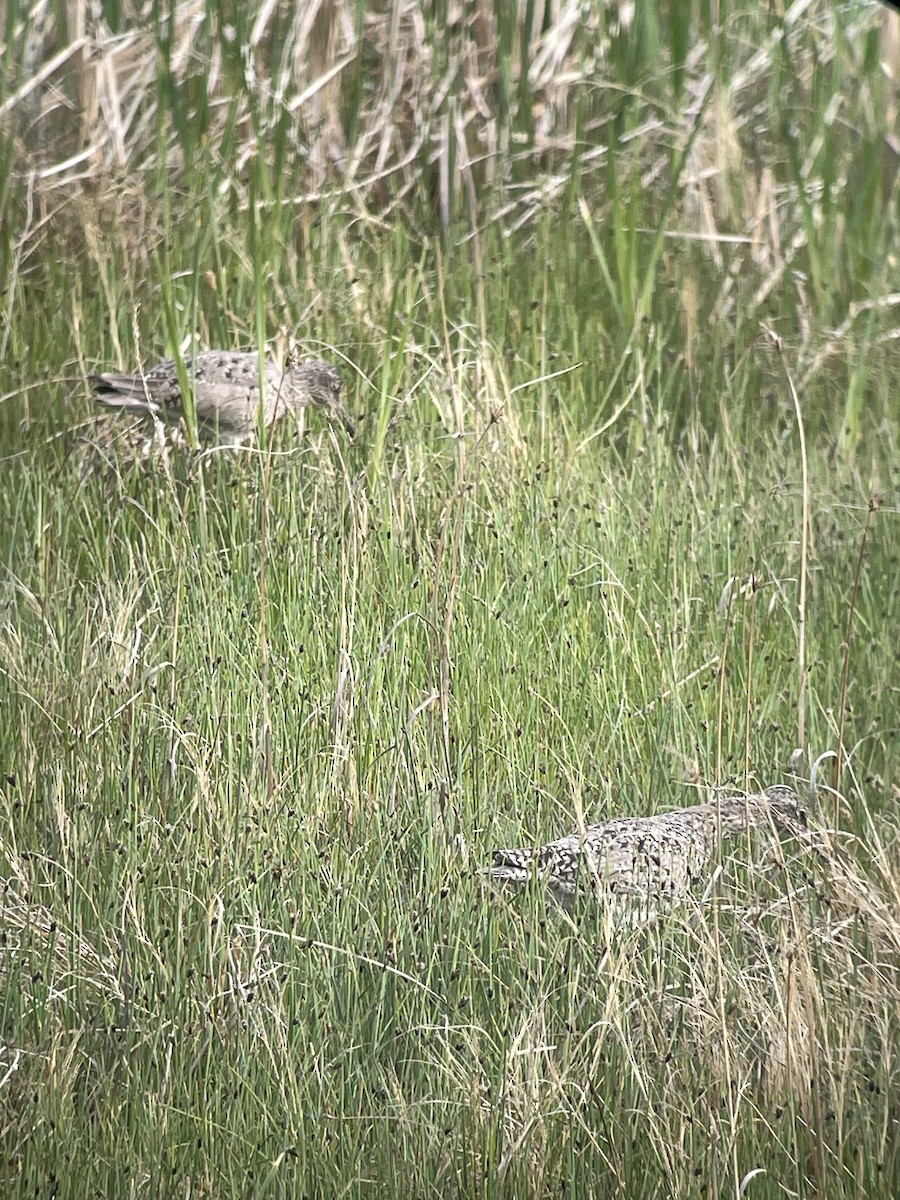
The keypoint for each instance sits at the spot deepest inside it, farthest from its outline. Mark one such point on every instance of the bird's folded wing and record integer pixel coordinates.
(230, 404)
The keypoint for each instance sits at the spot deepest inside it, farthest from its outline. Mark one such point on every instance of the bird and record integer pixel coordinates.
(649, 859)
(226, 387)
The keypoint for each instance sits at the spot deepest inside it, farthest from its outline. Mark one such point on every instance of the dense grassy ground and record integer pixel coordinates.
(601, 543)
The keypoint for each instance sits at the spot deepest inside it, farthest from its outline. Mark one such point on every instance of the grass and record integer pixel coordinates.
(262, 715)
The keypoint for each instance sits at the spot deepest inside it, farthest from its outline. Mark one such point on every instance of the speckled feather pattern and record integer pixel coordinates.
(660, 857)
(226, 390)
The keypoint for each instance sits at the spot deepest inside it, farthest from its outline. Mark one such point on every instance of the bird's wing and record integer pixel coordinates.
(226, 389)
(650, 857)
(228, 404)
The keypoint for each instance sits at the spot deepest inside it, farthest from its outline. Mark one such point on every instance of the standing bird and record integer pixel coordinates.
(226, 389)
(649, 858)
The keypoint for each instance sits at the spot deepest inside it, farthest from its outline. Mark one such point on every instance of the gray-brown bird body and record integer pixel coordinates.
(659, 857)
(226, 389)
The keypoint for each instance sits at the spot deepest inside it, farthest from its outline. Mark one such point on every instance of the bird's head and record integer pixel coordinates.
(786, 808)
(322, 386)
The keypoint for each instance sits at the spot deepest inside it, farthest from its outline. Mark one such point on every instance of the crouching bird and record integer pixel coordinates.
(650, 859)
(227, 394)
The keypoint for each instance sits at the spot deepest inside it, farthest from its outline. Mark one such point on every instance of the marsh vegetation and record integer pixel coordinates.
(613, 293)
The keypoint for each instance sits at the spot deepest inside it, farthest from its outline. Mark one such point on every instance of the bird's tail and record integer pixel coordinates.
(512, 866)
(122, 391)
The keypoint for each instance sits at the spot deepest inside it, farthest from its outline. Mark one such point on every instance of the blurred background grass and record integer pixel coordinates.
(261, 715)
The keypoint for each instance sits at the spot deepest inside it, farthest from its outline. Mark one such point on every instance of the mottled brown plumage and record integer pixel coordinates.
(226, 388)
(652, 858)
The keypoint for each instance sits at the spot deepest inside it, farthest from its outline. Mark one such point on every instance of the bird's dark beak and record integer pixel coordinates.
(344, 418)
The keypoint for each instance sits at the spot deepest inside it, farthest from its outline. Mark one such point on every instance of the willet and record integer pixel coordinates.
(648, 858)
(226, 388)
